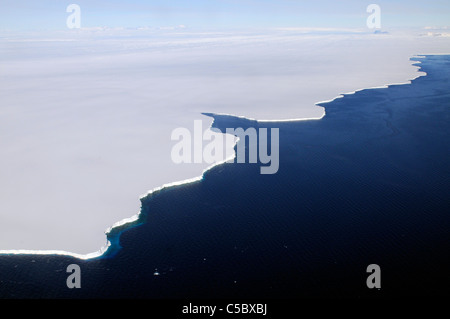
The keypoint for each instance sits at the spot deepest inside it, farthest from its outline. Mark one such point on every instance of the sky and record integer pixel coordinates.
(52, 15)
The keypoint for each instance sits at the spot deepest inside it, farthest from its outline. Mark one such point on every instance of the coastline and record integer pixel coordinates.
(367, 184)
(114, 231)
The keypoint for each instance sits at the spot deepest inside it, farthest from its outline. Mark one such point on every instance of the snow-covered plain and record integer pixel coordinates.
(86, 115)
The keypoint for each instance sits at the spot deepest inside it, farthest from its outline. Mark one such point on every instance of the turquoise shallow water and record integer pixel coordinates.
(366, 184)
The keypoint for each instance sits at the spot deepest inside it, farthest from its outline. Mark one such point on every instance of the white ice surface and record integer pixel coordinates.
(86, 116)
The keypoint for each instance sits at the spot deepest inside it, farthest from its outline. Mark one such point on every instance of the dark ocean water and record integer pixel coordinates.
(367, 184)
